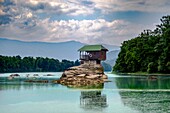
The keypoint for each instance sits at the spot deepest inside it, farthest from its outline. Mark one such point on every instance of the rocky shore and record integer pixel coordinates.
(83, 75)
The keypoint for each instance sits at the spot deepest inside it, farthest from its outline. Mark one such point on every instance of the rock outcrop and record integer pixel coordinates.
(12, 76)
(83, 75)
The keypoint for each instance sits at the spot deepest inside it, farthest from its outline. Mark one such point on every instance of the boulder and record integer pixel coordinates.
(69, 75)
(83, 75)
(14, 75)
(104, 77)
(92, 76)
(35, 75)
(50, 75)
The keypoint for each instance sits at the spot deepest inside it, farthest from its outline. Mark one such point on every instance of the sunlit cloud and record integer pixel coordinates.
(86, 31)
(132, 5)
(86, 21)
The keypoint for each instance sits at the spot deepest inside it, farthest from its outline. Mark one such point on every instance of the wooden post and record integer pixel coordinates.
(80, 55)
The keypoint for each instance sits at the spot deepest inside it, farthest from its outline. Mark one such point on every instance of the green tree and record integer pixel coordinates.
(30, 64)
(149, 52)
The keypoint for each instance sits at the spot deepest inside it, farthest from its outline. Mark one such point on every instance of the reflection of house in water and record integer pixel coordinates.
(92, 100)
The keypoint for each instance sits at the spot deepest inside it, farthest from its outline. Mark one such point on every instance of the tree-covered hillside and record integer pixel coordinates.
(149, 52)
(30, 64)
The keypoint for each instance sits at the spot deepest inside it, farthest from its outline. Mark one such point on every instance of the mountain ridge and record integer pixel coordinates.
(58, 50)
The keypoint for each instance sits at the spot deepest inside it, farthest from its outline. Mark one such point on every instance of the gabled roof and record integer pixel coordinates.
(93, 48)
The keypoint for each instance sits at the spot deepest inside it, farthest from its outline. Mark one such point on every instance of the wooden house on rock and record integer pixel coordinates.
(92, 54)
(88, 74)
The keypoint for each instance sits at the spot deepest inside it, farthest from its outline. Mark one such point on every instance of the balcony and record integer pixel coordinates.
(84, 57)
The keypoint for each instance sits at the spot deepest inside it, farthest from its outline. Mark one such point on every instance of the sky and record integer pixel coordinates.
(87, 21)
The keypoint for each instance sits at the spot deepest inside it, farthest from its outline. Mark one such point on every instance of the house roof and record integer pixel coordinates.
(93, 48)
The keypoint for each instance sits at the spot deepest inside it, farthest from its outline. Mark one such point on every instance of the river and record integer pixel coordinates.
(124, 94)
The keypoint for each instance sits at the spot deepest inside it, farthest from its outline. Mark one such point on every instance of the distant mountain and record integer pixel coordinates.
(113, 54)
(111, 57)
(62, 50)
(111, 47)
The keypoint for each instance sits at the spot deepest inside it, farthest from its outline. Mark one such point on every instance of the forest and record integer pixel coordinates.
(149, 52)
(30, 64)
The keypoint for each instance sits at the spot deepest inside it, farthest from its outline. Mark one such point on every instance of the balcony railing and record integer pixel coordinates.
(84, 57)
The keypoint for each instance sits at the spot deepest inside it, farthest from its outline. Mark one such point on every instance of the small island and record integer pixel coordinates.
(90, 72)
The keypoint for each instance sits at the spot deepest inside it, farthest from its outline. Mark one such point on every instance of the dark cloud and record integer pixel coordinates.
(141, 3)
(5, 19)
(7, 3)
(40, 6)
(87, 3)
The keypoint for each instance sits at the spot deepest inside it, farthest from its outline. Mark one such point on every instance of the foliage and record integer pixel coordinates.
(30, 64)
(149, 52)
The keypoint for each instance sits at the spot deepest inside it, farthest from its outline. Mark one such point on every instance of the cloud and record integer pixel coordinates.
(24, 19)
(2, 12)
(86, 31)
(86, 8)
(72, 8)
(12, 9)
(78, 7)
(108, 6)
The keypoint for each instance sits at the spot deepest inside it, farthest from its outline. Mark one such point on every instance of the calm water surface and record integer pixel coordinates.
(124, 94)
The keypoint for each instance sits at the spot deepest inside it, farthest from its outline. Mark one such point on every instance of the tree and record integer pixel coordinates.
(149, 52)
(77, 63)
(30, 64)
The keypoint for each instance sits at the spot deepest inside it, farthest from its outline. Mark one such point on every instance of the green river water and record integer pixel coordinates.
(124, 94)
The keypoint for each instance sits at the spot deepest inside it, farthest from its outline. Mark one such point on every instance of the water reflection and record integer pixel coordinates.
(147, 102)
(93, 100)
(19, 84)
(145, 95)
(142, 83)
(25, 86)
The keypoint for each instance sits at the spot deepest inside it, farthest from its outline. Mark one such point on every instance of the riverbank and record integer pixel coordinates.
(142, 74)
